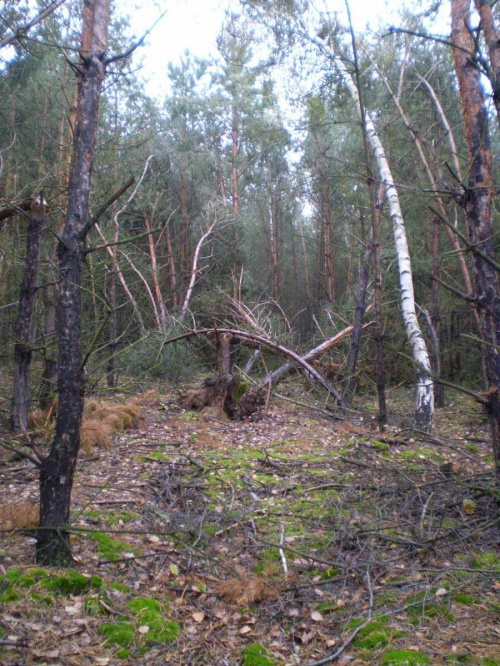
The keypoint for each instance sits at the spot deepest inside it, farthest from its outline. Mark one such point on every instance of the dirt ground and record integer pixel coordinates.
(294, 539)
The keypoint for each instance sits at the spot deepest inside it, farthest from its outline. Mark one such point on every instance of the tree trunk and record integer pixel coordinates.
(379, 327)
(478, 205)
(424, 410)
(57, 470)
(24, 324)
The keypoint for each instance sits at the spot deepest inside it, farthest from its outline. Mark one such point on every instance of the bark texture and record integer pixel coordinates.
(57, 471)
(424, 410)
(22, 349)
(478, 205)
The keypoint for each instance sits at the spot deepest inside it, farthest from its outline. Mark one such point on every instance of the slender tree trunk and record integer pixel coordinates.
(492, 38)
(57, 470)
(435, 314)
(24, 324)
(379, 326)
(478, 206)
(424, 410)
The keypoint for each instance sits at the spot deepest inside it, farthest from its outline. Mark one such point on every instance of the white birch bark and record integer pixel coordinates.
(424, 410)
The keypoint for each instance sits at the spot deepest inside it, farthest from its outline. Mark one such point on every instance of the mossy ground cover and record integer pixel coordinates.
(269, 543)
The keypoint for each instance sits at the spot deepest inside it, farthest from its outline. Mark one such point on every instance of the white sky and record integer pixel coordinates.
(194, 25)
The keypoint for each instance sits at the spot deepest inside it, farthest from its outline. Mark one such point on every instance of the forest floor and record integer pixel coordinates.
(296, 539)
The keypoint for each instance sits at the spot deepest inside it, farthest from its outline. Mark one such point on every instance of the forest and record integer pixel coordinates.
(250, 379)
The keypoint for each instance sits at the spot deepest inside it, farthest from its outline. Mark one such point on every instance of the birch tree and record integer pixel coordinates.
(424, 409)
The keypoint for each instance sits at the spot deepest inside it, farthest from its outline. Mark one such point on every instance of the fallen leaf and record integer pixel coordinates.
(307, 637)
(198, 617)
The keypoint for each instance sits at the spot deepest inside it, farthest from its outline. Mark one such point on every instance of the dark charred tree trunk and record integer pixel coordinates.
(24, 325)
(57, 470)
(478, 206)
(433, 323)
(359, 315)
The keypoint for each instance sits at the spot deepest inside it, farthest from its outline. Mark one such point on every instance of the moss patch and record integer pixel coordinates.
(71, 583)
(117, 633)
(404, 658)
(256, 655)
(111, 549)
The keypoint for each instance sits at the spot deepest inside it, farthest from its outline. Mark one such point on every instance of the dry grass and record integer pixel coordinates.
(19, 515)
(94, 434)
(246, 590)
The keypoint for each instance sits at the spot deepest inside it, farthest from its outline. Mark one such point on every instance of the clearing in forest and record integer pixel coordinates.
(294, 539)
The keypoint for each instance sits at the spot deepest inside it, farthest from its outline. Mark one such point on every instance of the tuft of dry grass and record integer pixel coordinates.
(246, 590)
(19, 515)
(146, 399)
(94, 434)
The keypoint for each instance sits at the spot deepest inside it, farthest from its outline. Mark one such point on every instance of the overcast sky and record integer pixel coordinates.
(195, 24)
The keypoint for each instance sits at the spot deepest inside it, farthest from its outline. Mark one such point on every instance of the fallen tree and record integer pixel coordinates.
(273, 377)
(252, 339)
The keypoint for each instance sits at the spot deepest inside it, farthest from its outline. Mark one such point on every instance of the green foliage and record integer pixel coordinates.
(152, 358)
(256, 655)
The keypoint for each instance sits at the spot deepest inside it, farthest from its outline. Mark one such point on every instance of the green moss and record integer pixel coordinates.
(120, 587)
(241, 391)
(473, 448)
(330, 573)
(160, 629)
(117, 633)
(123, 653)
(36, 596)
(373, 641)
(110, 549)
(404, 658)
(143, 604)
(156, 455)
(489, 662)
(9, 594)
(465, 599)
(488, 560)
(256, 655)
(13, 575)
(328, 608)
(71, 583)
(380, 446)
(93, 605)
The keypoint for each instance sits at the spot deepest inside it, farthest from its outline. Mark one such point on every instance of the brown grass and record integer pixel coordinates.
(100, 420)
(94, 435)
(246, 590)
(19, 515)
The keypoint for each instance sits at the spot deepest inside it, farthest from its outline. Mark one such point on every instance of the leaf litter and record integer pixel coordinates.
(295, 538)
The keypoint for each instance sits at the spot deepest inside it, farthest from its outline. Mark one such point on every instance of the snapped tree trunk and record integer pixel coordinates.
(57, 469)
(424, 410)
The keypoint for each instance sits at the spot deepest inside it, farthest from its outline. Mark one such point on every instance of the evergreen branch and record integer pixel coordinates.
(131, 239)
(100, 211)
(472, 247)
